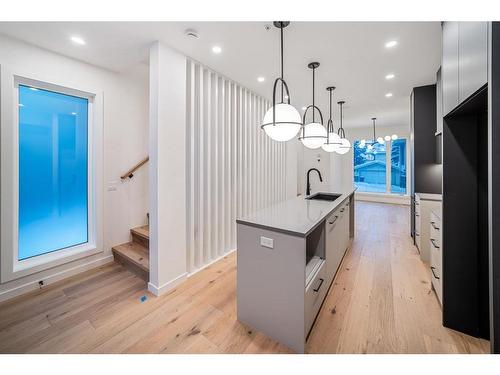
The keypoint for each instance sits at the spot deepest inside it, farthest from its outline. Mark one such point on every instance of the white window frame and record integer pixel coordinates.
(11, 267)
(388, 172)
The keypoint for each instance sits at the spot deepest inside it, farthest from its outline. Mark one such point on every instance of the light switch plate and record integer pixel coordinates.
(112, 185)
(267, 242)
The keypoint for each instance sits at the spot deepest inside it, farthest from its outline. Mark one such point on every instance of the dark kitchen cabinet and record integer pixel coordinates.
(472, 58)
(449, 66)
(464, 61)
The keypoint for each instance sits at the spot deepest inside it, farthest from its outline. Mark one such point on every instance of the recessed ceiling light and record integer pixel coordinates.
(261, 79)
(388, 95)
(216, 49)
(391, 43)
(78, 40)
(389, 76)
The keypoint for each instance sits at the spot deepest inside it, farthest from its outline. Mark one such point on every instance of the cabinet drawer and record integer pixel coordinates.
(437, 284)
(315, 294)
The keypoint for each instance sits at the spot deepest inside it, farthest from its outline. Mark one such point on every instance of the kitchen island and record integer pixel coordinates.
(288, 255)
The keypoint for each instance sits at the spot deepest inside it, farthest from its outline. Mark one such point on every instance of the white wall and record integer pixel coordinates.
(167, 167)
(125, 143)
(233, 168)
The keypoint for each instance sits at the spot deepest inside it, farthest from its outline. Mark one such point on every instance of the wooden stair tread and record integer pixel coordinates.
(142, 231)
(135, 253)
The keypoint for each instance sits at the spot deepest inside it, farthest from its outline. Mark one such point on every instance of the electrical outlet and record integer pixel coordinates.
(267, 242)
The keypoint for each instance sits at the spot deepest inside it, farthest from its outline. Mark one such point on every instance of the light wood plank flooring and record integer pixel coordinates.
(381, 302)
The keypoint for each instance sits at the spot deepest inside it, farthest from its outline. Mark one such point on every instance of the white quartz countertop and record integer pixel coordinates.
(297, 216)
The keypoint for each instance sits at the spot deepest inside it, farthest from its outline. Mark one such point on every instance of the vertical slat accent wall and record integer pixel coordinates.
(233, 168)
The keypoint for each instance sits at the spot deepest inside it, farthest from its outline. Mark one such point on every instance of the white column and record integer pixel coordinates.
(167, 168)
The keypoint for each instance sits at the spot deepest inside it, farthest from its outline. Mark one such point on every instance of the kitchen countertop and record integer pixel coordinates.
(297, 216)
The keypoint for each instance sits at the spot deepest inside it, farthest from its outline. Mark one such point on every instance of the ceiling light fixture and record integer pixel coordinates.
(389, 76)
(333, 139)
(216, 50)
(261, 79)
(373, 142)
(282, 121)
(78, 40)
(391, 44)
(345, 145)
(314, 133)
(388, 95)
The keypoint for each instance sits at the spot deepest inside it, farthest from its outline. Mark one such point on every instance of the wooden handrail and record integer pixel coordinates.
(130, 172)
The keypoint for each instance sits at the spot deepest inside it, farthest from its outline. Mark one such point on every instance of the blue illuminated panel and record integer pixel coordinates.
(53, 164)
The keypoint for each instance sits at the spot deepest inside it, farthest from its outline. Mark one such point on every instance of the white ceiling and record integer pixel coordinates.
(352, 55)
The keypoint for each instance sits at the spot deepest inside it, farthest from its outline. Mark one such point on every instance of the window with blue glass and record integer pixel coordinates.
(53, 171)
(398, 166)
(370, 166)
(372, 171)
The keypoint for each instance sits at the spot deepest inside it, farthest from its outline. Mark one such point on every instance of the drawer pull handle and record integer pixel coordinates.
(417, 234)
(319, 286)
(417, 215)
(334, 220)
(434, 243)
(434, 226)
(433, 274)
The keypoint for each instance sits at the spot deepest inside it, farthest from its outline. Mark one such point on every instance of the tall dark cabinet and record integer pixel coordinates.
(494, 183)
(465, 227)
(425, 172)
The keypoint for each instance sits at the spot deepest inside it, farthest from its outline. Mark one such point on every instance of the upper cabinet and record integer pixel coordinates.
(464, 66)
(472, 57)
(449, 66)
(439, 103)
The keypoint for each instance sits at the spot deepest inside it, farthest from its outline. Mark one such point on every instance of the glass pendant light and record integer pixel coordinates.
(333, 139)
(345, 144)
(313, 133)
(282, 121)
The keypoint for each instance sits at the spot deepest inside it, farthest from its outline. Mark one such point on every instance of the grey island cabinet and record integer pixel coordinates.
(288, 255)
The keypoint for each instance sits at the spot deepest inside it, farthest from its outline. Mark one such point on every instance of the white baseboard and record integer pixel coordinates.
(159, 290)
(210, 263)
(47, 280)
(383, 198)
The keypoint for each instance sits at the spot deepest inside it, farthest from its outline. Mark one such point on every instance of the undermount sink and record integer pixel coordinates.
(324, 196)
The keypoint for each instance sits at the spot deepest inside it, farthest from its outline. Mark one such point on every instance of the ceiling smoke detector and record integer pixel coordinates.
(191, 33)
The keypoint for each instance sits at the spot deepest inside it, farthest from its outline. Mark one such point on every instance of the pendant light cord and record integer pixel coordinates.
(282, 101)
(313, 94)
(374, 129)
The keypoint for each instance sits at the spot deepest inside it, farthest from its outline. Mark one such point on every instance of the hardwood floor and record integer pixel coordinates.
(381, 302)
